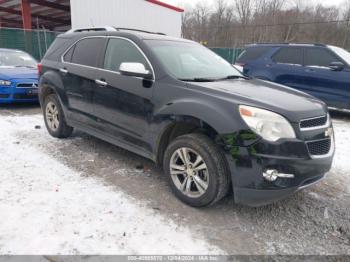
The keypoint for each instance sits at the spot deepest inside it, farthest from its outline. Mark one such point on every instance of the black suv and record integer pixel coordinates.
(177, 103)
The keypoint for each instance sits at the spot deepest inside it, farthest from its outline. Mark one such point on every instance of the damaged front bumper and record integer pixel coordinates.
(252, 159)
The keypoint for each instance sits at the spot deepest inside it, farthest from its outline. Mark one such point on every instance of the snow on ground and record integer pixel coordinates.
(46, 208)
(342, 139)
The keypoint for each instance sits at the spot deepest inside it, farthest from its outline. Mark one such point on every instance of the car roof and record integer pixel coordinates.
(11, 50)
(125, 32)
(287, 44)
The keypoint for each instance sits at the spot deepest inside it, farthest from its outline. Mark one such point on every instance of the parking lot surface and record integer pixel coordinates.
(84, 196)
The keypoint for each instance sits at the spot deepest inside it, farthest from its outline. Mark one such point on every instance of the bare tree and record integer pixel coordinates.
(234, 23)
(346, 17)
(218, 18)
(244, 11)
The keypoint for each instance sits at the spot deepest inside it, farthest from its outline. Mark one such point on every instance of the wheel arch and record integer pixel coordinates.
(51, 83)
(181, 125)
(215, 113)
(194, 116)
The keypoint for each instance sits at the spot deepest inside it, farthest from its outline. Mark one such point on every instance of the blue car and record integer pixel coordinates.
(18, 77)
(320, 70)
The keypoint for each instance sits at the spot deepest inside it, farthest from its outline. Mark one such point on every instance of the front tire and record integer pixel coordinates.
(54, 118)
(197, 170)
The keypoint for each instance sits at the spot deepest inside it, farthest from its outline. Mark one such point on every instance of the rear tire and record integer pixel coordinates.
(54, 118)
(196, 169)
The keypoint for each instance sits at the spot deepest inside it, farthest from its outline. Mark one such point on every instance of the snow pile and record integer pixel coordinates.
(46, 208)
(342, 141)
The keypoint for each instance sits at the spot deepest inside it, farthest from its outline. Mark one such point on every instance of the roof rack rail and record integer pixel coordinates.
(137, 30)
(315, 44)
(91, 29)
(110, 29)
(266, 43)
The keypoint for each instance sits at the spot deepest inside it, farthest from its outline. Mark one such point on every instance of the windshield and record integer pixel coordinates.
(345, 55)
(16, 59)
(191, 61)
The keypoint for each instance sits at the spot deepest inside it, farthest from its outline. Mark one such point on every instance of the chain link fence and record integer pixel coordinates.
(34, 42)
(229, 54)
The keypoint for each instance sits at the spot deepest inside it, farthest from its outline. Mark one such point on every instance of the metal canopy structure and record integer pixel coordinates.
(31, 14)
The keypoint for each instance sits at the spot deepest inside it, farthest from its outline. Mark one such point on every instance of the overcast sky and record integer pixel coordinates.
(193, 2)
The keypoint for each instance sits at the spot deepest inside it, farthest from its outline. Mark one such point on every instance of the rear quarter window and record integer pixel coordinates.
(68, 55)
(57, 48)
(252, 53)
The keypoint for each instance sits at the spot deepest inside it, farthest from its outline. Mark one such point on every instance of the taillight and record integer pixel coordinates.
(40, 69)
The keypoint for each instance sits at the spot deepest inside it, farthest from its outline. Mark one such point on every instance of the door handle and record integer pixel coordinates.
(64, 71)
(308, 70)
(101, 82)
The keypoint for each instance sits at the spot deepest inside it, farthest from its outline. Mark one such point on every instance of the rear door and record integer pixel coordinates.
(122, 104)
(331, 86)
(287, 69)
(78, 72)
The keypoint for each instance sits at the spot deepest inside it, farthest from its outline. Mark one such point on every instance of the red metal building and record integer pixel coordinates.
(48, 14)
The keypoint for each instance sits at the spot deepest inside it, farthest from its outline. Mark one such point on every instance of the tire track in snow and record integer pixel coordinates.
(47, 208)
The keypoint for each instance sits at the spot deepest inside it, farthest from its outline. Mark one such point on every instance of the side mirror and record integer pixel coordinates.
(337, 66)
(135, 69)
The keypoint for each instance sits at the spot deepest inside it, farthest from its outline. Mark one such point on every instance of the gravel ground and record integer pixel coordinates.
(313, 221)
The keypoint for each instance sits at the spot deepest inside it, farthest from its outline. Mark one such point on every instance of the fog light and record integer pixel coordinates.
(272, 175)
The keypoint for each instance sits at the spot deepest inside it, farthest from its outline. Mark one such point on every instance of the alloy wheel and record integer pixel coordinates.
(189, 172)
(52, 116)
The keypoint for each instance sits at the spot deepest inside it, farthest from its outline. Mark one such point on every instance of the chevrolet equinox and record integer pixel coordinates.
(175, 102)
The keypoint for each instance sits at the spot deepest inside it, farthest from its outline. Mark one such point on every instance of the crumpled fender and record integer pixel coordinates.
(214, 115)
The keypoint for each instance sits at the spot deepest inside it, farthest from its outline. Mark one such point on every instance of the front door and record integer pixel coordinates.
(123, 104)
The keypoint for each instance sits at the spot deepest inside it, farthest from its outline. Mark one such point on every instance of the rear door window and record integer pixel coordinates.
(319, 57)
(289, 55)
(87, 51)
(252, 53)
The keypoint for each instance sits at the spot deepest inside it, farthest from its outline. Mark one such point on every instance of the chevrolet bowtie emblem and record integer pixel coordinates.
(329, 132)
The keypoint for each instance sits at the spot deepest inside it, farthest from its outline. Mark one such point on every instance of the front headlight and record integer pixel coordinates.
(267, 124)
(5, 83)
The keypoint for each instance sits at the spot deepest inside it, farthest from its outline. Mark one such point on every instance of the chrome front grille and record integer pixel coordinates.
(27, 85)
(314, 123)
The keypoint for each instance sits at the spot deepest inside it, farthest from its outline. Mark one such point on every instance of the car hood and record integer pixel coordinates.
(293, 104)
(10, 73)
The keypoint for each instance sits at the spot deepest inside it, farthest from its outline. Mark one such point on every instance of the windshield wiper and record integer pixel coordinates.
(203, 79)
(234, 77)
(199, 79)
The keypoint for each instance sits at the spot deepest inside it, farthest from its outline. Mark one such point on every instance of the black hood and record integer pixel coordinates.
(292, 104)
